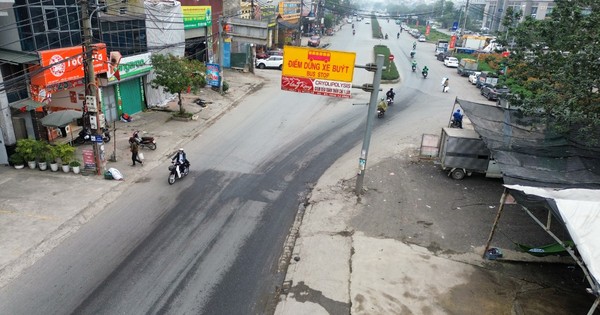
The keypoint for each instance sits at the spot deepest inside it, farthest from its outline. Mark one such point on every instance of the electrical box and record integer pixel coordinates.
(93, 122)
(102, 121)
(91, 104)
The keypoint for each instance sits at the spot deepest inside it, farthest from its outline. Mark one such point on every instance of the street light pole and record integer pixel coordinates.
(362, 161)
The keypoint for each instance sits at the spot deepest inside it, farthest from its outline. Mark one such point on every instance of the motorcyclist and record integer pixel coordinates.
(390, 94)
(180, 160)
(412, 53)
(386, 36)
(425, 71)
(353, 32)
(414, 65)
(382, 105)
(414, 45)
(398, 35)
(458, 117)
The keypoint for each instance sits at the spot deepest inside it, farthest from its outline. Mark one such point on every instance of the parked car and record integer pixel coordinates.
(262, 55)
(271, 62)
(314, 41)
(422, 38)
(492, 92)
(451, 62)
(473, 77)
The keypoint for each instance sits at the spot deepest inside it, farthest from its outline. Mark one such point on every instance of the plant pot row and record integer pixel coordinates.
(75, 166)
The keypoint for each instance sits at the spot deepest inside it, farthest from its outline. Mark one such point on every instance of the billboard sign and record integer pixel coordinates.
(196, 16)
(317, 71)
(66, 64)
(212, 74)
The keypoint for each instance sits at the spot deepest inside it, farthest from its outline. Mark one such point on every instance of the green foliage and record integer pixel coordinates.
(376, 29)
(556, 77)
(65, 152)
(434, 35)
(16, 159)
(29, 149)
(177, 74)
(390, 72)
(48, 153)
(328, 20)
(74, 163)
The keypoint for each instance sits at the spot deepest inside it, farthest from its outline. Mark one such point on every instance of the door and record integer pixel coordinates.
(129, 93)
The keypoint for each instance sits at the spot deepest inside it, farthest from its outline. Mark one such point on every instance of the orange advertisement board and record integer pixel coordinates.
(66, 64)
(314, 63)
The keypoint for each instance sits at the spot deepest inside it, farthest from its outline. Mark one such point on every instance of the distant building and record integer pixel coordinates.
(495, 9)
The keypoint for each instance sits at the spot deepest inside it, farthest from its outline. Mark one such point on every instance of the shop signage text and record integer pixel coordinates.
(196, 16)
(132, 66)
(66, 64)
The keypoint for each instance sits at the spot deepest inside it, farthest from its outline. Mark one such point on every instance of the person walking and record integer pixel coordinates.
(445, 84)
(134, 152)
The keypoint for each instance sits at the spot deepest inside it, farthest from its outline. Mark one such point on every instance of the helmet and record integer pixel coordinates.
(180, 149)
(391, 89)
(458, 110)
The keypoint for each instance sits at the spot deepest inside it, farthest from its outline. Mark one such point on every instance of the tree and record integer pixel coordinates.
(176, 75)
(554, 71)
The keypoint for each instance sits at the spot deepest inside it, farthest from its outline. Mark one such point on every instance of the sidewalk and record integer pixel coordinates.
(39, 209)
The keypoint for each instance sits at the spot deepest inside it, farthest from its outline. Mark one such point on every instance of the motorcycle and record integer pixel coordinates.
(380, 112)
(455, 124)
(424, 73)
(386, 36)
(85, 135)
(173, 172)
(414, 68)
(353, 32)
(148, 142)
(390, 101)
(412, 54)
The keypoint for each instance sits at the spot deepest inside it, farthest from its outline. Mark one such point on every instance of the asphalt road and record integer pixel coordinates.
(212, 242)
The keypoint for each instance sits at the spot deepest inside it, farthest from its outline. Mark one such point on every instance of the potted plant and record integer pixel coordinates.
(52, 155)
(17, 160)
(66, 153)
(46, 156)
(75, 166)
(29, 150)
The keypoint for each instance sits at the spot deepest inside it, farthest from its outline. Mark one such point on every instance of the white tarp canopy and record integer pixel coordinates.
(580, 211)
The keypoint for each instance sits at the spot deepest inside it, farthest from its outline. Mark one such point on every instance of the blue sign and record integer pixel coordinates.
(454, 26)
(97, 138)
(227, 54)
(212, 74)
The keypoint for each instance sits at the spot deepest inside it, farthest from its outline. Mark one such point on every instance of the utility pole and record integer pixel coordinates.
(92, 105)
(299, 39)
(221, 54)
(462, 31)
(362, 161)
(252, 9)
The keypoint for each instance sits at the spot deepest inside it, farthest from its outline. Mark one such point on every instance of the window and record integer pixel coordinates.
(51, 18)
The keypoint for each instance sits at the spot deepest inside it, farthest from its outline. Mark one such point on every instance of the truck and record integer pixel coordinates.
(462, 152)
(472, 43)
(441, 47)
(467, 66)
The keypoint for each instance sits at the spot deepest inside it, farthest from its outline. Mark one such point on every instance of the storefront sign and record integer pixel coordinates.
(88, 159)
(212, 74)
(66, 64)
(132, 66)
(317, 71)
(289, 10)
(196, 16)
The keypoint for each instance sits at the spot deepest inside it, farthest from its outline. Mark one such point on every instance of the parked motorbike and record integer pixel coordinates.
(173, 172)
(85, 135)
(142, 142)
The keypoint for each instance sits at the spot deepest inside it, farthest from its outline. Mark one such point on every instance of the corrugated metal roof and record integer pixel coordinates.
(18, 57)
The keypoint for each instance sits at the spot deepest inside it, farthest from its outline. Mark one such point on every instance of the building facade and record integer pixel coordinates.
(495, 9)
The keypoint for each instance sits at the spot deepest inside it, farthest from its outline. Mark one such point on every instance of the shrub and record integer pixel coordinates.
(16, 159)
(75, 163)
(65, 152)
(29, 149)
(391, 72)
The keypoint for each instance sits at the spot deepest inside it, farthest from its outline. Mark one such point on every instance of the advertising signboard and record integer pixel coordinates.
(196, 16)
(66, 64)
(212, 74)
(317, 71)
(131, 66)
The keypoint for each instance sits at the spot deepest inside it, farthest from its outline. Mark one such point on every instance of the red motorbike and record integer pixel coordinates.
(148, 142)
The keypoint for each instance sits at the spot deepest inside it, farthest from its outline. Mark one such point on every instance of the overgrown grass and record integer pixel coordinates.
(390, 72)
(487, 62)
(434, 35)
(375, 28)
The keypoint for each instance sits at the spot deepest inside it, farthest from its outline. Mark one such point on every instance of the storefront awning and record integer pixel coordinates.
(29, 104)
(18, 57)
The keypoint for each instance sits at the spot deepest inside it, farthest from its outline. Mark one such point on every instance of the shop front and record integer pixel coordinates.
(125, 92)
(58, 84)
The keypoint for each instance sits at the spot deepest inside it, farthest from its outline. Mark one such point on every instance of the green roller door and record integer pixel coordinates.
(129, 96)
